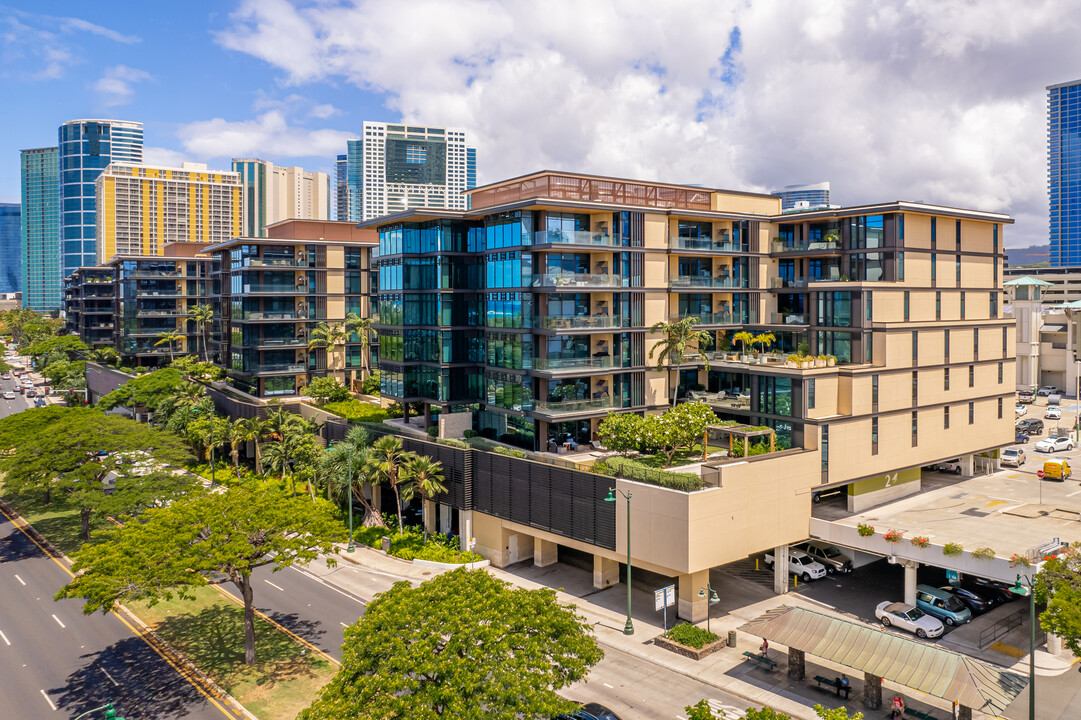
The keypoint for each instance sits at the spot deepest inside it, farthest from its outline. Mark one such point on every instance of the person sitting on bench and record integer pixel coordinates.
(843, 686)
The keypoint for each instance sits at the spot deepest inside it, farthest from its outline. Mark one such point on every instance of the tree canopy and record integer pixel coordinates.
(464, 645)
(204, 538)
(146, 391)
(1058, 584)
(326, 389)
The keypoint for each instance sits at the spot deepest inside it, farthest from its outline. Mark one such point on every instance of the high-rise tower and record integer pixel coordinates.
(1064, 172)
(40, 256)
(10, 248)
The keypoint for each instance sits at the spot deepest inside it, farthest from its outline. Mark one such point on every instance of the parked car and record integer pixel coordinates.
(801, 565)
(1020, 409)
(910, 618)
(1057, 470)
(996, 592)
(975, 601)
(1026, 396)
(1047, 390)
(1054, 444)
(1020, 437)
(942, 605)
(1032, 426)
(1014, 457)
(1052, 413)
(950, 466)
(830, 557)
(591, 711)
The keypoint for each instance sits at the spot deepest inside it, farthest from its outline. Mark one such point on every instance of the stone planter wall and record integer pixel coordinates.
(685, 651)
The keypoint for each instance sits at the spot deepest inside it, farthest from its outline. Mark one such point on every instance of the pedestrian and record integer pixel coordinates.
(897, 709)
(842, 684)
(765, 648)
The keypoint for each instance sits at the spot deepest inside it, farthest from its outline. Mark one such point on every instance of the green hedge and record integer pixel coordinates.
(410, 545)
(453, 442)
(630, 470)
(512, 452)
(691, 636)
(355, 410)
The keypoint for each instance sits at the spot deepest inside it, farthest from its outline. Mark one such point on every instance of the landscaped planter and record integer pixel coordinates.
(687, 651)
(451, 566)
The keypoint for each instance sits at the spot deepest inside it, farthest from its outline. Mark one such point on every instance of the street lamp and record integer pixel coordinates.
(1026, 588)
(110, 712)
(1077, 401)
(629, 628)
(349, 499)
(713, 600)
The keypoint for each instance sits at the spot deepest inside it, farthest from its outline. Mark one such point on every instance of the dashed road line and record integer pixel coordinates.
(21, 580)
(113, 681)
(4, 638)
(48, 700)
(279, 587)
(59, 622)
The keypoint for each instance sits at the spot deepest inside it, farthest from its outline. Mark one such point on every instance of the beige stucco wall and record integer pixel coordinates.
(656, 231)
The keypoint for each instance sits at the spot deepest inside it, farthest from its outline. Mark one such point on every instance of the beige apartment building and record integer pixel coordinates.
(560, 277)
(273, 193)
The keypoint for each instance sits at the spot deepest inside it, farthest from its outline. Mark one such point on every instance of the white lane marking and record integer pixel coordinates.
(609, 686)
(5, 637)
(48, 700)
(342, 624)
(24, 583)
(58, 622)
(330, 586)
(114, 682)
(1075, 492)
(274, 586)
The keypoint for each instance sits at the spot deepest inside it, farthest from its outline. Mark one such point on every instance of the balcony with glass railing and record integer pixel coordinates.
(566, 407)
(579, 280)
(281, 342)
(706, 282)
(788, 318)
(582, 363)
(260, 315)
(280, 288)
(580, 322)
(703, 244)
(718, 318)
(830, 245)
(284, 262)
(779, 283)
(572, 237)
(276, 367)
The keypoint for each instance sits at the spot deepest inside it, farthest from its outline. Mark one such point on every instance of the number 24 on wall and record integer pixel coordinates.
(890, 479)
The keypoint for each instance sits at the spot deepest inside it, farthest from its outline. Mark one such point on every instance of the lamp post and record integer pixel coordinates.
(713, 600)
(110, 712)
(349, 499)
(1023, 586)
(629, 628)
(1077, 401)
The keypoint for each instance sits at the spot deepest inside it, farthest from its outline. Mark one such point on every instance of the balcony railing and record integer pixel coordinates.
(277, 367)
(155, 274)
(578, 280)
(702, 244)
(796, 246)
(283, 288)
(272, 262)
(781, 283)
(702, 281)
(572, 237)
(280, 342)
(564, 407)
(579, 322)
(586, 363)
(259, 315)
(788, 318)
(718, 318)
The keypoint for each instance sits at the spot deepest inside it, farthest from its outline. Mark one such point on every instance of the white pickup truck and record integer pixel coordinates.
(801, 565)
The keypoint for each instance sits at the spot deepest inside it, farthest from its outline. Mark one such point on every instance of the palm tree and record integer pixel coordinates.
(385, 464)
(203, 315)
(744, 338)
(183, 397)
(327, 336)
(363, 328)
(425, 478)
(172, 337)
(253, 429)
(107, 355)
(289, 427)
(765, 340)
(673, 346)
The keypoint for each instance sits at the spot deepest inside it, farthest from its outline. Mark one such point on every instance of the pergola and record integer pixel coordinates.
(746, 432)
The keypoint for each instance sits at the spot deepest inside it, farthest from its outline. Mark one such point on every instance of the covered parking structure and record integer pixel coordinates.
(971, 683)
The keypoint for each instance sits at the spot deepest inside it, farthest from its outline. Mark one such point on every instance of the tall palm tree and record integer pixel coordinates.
(107, 355)
(289, 428)
(673, 346)
(385, 464)
(203, 315)
(327, 336)
(253, 429)
(425, 478)
(363, 328)
(172, 337)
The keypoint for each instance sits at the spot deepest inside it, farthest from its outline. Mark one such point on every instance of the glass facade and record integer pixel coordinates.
(10, 247)
(1064, 172)
(42, 277)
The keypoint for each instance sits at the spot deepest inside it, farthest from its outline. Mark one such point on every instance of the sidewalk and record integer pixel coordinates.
(726, 670)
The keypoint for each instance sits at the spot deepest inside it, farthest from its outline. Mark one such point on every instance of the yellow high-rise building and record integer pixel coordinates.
(140, 208)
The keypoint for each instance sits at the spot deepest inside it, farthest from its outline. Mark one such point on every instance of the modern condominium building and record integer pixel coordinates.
(391, 168)
(90, 296)
(40, 256)
(10, 248)
(341, 188)
(272, 193)
(142, 208)
(797, 198)
(86, 148)
(1063, 172)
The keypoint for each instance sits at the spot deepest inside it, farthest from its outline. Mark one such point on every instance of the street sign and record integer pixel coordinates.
(658, 599)
(670, 595)
(1039, 473)
(953, 577)
(664, 598)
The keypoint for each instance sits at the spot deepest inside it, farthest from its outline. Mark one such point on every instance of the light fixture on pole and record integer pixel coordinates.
(1024, 586)
(629, 628)
(713, 600)
(1077, 401)
(349, 499)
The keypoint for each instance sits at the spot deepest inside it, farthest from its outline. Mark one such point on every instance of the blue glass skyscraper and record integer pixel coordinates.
(10, 242)
(1064, 172)
(86, 148)
(41, 284)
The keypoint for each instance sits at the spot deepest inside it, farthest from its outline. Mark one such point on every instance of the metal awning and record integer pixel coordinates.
(909, 662)
(1053, 328)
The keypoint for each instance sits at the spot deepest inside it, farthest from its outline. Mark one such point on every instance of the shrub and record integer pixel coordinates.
(691, 636)
(952, 549)
(370, 386)
(1018, 560)
(893, 536)
(481, 443)
(125, 369)
(512, 452)
(453, 442)
(470, 434)
(355, 410)
(433, 430)
(865, 530)
(326, 389)
(920, 541)
(983, 553)
(630, 470)
(410, 545)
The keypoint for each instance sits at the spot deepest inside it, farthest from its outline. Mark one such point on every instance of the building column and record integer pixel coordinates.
(545, 553)
(780, 569)
(964, 712)
(465, 527)
(796, 664)
(691, 607)
(968, 465)
(605, 572)
(910, 582)
(872, 691)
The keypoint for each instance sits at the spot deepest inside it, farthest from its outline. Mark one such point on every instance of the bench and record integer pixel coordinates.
(761, 660)
(831, 684)
(919, 714)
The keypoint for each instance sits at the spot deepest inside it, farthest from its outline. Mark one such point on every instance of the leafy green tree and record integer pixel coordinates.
(204, 538)
(203, 315)
(12, 323)
(678, 338)
(424, 477)
(462, 645)
(145, 391)
(254, 429)
(292, 438)
(55, 349)
(702, 711)
(621, 432)
(349, 459)
(170, 338)
(1058, 586)
(385, 463)
(190, 366)
(326, 389)
(686, 424)
(362, 327)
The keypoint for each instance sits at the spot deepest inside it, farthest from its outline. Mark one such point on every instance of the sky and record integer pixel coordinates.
(940, 101)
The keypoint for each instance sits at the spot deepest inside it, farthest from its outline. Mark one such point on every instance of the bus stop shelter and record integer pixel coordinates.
(880, 655)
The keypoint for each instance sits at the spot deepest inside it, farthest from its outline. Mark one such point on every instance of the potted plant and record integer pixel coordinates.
(894, 536)
(805, 361)
(820, 361)
(952, 549)
(983, 553)
(744, 338)
(792, 361)
(920, 541)
(1018, 560)
(865, 530)
(831, 360)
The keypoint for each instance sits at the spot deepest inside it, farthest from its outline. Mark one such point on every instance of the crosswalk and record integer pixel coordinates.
(725, 711)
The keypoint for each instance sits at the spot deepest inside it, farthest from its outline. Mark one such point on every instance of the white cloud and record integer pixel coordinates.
(269, 135)
(935, 100)
(114, 87)
(322, 112)
(163, 157)
(41, 47)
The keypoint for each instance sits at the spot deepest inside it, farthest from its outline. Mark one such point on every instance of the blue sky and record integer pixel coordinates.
(935, 100)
